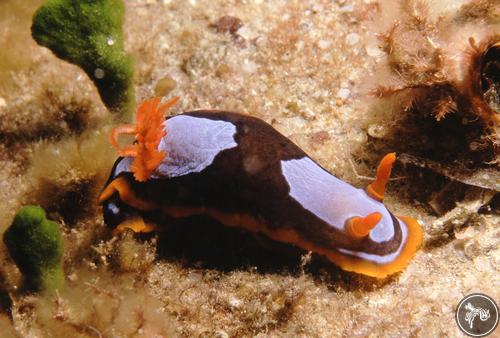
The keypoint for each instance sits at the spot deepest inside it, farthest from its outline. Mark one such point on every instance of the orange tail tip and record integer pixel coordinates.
(148, 131)
(359, 227)
(376, 189)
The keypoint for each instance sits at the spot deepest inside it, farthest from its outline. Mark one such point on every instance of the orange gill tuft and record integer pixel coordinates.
(148, 131)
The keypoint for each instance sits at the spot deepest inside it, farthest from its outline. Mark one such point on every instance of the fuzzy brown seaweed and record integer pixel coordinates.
(443, 88)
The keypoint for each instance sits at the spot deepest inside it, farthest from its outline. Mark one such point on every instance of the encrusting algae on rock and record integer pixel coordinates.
(89, 34)
(36, 246)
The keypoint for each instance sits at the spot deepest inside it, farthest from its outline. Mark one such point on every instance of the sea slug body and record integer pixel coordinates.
(240, 171)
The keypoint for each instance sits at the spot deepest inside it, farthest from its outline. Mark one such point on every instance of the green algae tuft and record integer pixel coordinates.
(36, 246)
(89, 34)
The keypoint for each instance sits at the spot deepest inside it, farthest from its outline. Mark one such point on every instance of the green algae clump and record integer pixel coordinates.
(35, 244)
(89, 33)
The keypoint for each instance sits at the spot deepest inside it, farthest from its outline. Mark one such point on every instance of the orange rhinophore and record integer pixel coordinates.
(359, 227)
(148, 130)
(376, 189)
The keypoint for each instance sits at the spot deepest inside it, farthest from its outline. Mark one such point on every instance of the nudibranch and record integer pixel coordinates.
(240, 171)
